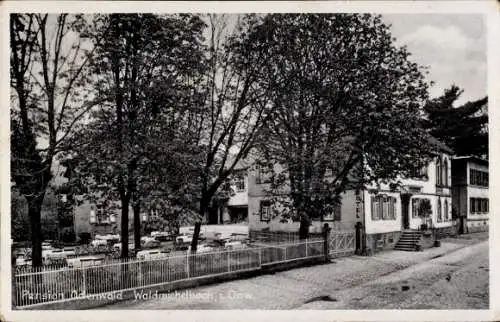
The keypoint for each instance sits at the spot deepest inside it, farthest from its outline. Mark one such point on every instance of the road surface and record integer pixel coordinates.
(453, 276)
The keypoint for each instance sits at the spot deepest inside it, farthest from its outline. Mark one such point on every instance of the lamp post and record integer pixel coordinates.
(144, 223)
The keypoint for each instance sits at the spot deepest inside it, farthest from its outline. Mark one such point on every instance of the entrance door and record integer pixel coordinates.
(405, 213)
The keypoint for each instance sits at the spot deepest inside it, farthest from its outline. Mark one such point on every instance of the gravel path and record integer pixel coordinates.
(458, 280)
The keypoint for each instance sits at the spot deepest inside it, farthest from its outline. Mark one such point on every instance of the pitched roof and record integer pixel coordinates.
(472, 158)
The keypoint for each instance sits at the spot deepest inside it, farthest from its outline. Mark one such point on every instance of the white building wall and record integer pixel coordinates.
(427, 189)
(381, 226)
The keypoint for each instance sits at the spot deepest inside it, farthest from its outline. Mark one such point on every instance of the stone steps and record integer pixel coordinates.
(408, 240)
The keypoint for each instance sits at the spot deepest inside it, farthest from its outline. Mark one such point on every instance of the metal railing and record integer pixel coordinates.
(48, 285)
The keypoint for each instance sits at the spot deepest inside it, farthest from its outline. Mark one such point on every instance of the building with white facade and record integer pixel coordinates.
(389, 212)
(470, 193)
(382, 211)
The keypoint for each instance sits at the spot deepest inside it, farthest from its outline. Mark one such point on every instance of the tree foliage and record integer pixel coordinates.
(48, 76)
(229, 114)
(345, 109)
(145, 71)
(463, 128)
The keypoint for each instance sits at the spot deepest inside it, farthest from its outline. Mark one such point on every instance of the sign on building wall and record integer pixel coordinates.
(359, 204)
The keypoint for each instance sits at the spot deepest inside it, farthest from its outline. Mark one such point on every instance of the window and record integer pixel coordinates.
(101, 217)
(439, 215)
(392, 209)
(445, 172)
(478, 178)
(438, 171)
(419, 173)
(239, 182)
(414, 208)
(265, 210)
(419, 206)
(92, 217)
(375, 212)
(335, 214)
(479, 205)
(383, 208)
(263, 174)
(446, 216)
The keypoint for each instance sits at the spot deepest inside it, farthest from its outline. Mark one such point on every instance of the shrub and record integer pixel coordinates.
(68, 234)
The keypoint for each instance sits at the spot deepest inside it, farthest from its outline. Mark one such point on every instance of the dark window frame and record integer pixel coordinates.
(263, 204)
(478, 178)
(239, 182)
(335, 215)
(384, 207)
(264, 174)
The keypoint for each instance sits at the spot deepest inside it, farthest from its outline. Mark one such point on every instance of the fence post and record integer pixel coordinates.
(306, 247)
(140, 272)
(326, 233)
(228, 262)
(285, 251)
(260, 257)
(84, 284)
(187, 264)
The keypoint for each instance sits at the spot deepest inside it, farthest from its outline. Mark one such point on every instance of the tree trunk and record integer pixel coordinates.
(124, 227)
(194, 242)
(137, 226)
(34, 212)
(304, 226)
(203, 212)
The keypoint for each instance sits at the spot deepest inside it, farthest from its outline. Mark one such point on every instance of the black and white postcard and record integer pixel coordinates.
(249, 161)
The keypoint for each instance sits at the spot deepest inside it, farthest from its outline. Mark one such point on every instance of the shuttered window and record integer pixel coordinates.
(383, 207)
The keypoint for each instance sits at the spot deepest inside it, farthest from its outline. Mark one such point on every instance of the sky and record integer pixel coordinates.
(453, 46)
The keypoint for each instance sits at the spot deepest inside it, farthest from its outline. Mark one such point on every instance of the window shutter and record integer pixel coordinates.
(380, 208)
(337, 216)
(395, 208)
(391, 208)
(439, 215)
(374, 208)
